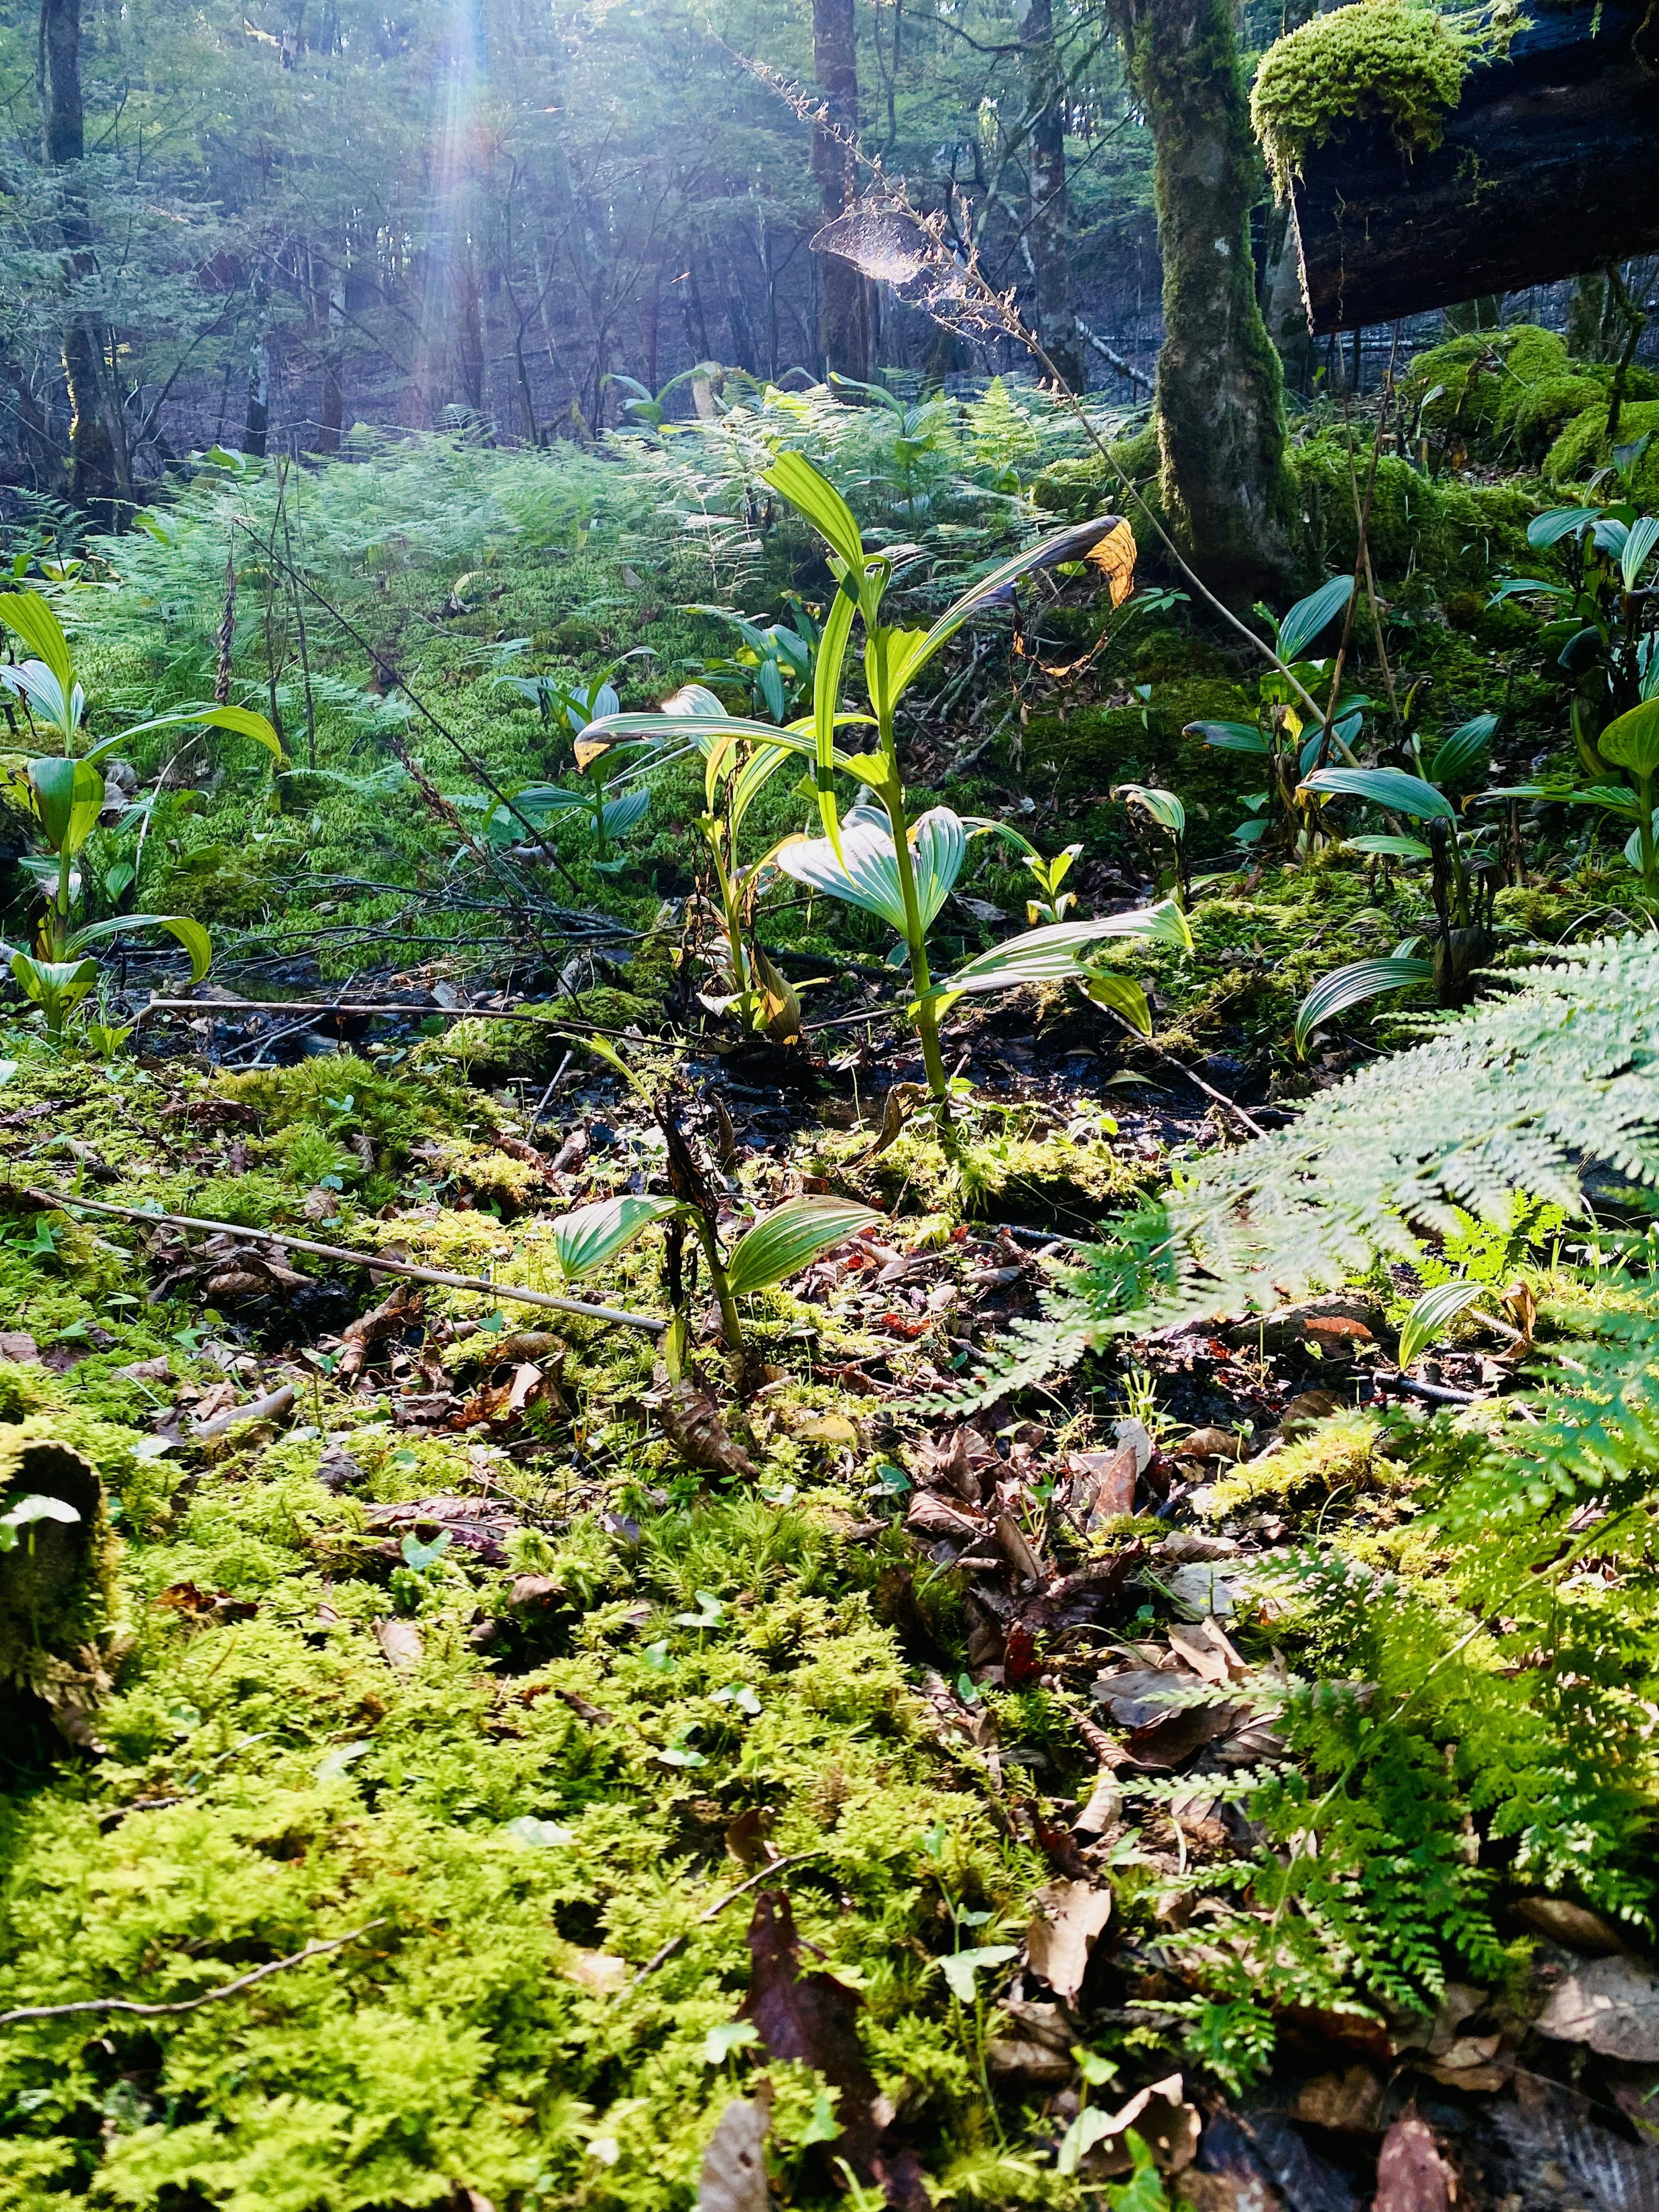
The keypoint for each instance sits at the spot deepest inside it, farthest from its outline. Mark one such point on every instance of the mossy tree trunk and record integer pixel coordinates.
(1219, 397)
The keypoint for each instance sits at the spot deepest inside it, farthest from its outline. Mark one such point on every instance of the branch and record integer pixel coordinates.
(666, 1952)
(62, 1202)
(187, 2004)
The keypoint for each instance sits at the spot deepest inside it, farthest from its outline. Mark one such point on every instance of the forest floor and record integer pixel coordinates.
(512, 1778)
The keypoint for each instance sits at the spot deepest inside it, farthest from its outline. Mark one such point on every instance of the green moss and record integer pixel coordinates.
(1375, 61)
(1584, 447)
(1074, 490)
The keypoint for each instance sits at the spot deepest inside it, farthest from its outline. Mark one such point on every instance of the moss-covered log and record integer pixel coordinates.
(1219, 397)
(1544, 167)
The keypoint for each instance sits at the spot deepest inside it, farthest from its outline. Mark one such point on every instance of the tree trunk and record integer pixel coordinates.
(256, 418)
(847, 301)
(97, 477)
(1045, 93)
(1219, 394)
(1587, 318)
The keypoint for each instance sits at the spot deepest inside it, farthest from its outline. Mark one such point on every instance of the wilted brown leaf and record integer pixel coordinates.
(1612, 2005)
(1115, 554)
(810, 2017)
(1070, 1915)
(400, 1644)
(691, 1422)
(1410, 2176)
(733, 2177)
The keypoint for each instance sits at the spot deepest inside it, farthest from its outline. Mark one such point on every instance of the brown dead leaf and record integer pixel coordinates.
(206, 1605)
(1573, 1925)
(1612, 2005)
(1103, 1485)
(1114, 555)
(400, 1644)
(928, 1516)
(1209, 1443)
(810, 2017)
(1410, 2176)
(1070, 1915)
(901, 1102)
(963, 1460)
(394, 1314)
(733, 2177)
(1347, 2104)
(691, 1422)
(746, 1837)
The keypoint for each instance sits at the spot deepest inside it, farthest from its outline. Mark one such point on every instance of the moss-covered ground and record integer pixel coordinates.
(474, 1661)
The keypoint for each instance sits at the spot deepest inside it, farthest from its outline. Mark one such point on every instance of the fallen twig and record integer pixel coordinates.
(529, 1011)
(63, 1200)
(664, 1951)
(186, 2004)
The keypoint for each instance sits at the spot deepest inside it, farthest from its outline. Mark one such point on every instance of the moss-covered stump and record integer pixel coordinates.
(58, 1576)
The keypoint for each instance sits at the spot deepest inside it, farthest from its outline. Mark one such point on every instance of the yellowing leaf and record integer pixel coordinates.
(1114, 555)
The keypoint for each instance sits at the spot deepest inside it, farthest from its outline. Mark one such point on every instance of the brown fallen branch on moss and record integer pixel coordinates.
(314, 1950)
(61, 1202)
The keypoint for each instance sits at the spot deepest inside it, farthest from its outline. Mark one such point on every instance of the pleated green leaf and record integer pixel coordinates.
(592, 1234)
(1350, 987)
(782, 1243)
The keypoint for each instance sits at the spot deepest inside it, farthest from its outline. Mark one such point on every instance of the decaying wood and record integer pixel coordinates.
(1545, 170)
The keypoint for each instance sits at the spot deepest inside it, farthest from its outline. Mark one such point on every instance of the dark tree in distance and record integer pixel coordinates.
(1050, 224)
(847, 314)
(98, 479)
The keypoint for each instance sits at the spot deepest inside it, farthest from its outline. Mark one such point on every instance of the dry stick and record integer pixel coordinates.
(665, 1951)
(188, 2004)
(525, 1013)
(63, 1200)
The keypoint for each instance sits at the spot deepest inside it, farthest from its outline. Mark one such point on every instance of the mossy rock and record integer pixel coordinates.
(1547, 408)
(57, 1593)
(1377, 61)
(1456, 387)
(1075, 489)
(1584, 447)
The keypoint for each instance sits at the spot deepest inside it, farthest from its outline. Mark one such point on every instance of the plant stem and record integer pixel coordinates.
(1645, 831)
(730, 1325)
(892, 798)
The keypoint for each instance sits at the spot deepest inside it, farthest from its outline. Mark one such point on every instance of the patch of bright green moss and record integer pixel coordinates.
(1584, 447)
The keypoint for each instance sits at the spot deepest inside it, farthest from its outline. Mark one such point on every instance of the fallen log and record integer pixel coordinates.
(1546, 171)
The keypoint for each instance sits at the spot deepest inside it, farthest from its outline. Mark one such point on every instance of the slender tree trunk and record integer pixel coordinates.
(1282, 301)
(847, 301)
(96, 476)
(1219, 394)
(1587, 317)
(1045, 93)
(256, 418)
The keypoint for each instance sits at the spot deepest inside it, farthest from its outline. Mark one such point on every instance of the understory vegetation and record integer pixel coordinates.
(827, 1357)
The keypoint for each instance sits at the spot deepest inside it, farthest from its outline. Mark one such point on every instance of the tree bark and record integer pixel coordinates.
(1587, 317)
(847, 301)
(1045, 93)
(256, 415)
(98, 480)
(1218, 401)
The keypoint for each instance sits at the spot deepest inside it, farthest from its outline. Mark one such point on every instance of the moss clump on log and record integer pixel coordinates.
(1375, 61)
(1509, 393)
